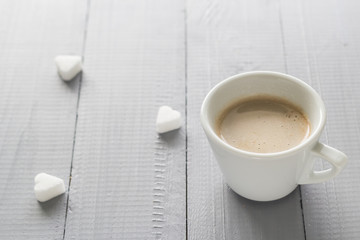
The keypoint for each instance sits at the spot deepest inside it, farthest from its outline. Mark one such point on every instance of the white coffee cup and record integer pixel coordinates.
(270, 176)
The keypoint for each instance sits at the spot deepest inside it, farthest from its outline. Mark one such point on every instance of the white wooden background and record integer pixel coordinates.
(97, 132)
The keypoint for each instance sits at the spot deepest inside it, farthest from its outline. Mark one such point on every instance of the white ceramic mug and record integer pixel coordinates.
(270, 176)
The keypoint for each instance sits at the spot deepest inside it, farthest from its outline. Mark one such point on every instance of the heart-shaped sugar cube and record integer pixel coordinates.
(48, 187)
(68, 66)
(167, 119)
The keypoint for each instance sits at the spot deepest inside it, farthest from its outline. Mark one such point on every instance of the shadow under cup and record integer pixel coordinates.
(262, 176)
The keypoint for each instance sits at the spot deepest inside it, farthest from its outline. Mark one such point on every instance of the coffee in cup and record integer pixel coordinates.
(263, 124)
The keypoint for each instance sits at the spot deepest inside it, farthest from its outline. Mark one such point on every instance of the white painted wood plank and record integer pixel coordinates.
(37, 111)
(127, 182)
(325, 51)
(226, 38)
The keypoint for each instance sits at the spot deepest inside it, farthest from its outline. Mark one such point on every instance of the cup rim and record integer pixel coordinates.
(211, 133)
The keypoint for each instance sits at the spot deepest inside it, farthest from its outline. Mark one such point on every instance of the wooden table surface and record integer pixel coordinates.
(97, 132)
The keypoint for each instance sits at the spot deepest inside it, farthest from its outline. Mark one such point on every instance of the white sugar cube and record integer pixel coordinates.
(48, 187)
(167, 119)
(68, 66)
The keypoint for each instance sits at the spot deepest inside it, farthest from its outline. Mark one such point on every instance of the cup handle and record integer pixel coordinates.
(336, 158)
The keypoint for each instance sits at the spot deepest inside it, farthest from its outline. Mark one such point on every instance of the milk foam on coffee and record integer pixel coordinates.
(263, 124)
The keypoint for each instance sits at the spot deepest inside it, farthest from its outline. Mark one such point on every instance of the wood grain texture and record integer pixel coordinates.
(128, 182)
(225, 38)
(328, 40)
(37, 111)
